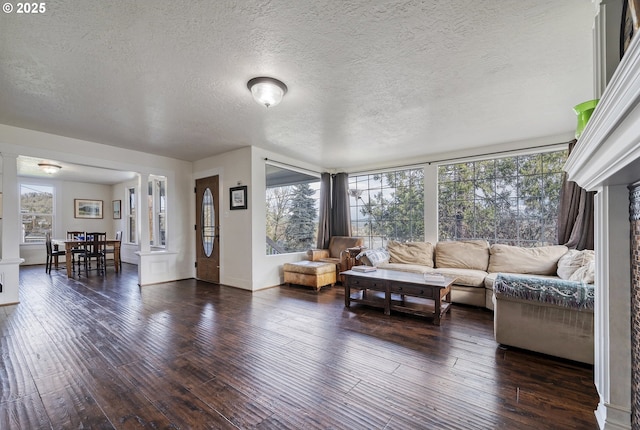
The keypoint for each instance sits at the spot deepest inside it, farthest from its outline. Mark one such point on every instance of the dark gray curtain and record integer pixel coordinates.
(324, 224)
(575, 214)
(340, 215)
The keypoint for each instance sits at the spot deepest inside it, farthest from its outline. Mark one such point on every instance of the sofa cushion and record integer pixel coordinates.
(572, 261)
(465, 277)
(542, 260)
(403, 267)
(463, 254)
(411, 253)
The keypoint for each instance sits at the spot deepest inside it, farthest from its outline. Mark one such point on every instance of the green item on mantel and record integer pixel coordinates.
(584, 111)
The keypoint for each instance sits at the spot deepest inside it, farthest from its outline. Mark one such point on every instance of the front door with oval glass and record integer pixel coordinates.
(207, 230)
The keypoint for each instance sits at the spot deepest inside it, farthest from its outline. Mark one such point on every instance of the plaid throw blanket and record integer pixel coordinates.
(569, 294)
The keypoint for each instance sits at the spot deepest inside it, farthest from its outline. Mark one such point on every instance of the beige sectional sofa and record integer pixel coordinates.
(474, 263)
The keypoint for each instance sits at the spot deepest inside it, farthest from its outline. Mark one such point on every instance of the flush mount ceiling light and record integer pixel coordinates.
(49, 168)
(267, 91)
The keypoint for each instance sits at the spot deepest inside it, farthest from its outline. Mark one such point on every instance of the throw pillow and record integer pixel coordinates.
(585, 274)
(411, 253)
(542, 260)
(373, 257)
(572, 261)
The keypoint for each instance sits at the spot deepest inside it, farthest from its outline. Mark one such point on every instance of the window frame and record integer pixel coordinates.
(132, 237)
(31, 182)
(417, 221)
(157, 210)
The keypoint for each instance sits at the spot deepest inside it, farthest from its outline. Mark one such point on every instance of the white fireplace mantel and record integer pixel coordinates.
(608, 151)
(606, 159)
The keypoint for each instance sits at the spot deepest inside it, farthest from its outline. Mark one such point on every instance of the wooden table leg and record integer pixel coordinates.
(436, 316)
(67, 249)
(347, 293)
(116, 256)
(387, 299)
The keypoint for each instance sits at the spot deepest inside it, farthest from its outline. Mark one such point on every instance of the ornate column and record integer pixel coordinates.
(634, 216)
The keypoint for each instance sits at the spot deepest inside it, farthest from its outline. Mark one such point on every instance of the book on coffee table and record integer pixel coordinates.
(363, 269)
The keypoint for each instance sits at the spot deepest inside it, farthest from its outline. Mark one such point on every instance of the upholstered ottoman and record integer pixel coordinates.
(313, 274)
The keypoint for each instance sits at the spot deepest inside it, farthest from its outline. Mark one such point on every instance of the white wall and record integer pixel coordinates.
(233, 169)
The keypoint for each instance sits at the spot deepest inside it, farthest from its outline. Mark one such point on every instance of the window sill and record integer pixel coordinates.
(142, 254)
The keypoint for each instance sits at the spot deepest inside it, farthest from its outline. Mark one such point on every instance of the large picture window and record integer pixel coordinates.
(512, 200)
(36, 212)
(387, 206)
(292, 210)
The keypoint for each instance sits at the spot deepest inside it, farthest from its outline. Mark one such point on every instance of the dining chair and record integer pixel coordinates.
(111, 250)
(75, 235)
(52, 253)
(93, 247)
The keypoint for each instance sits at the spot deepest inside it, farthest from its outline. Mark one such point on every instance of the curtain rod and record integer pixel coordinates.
(506, 151)
(276, 163)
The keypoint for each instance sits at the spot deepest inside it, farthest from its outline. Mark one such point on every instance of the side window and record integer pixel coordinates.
(36, 212)
(157, 195)
(131, 215)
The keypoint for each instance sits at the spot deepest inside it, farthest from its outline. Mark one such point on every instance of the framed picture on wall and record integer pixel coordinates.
(238, 197)
(116, 209)
(84, 208)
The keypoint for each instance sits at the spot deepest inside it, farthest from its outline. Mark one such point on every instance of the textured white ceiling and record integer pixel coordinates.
(369, 81)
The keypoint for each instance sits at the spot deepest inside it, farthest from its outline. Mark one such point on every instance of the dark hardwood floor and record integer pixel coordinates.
(104, 353)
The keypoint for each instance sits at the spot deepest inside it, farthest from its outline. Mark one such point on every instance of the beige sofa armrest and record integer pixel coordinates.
(317, 254)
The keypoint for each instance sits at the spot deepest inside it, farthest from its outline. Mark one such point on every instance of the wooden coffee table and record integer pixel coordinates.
(398, 291)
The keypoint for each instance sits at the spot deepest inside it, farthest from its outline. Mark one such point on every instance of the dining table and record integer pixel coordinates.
(69, 244)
